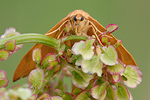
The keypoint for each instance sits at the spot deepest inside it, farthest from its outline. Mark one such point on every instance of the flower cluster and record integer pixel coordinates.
(3, 80)
(17, 92)
(10, 46)
(96, 70)
(94, 65)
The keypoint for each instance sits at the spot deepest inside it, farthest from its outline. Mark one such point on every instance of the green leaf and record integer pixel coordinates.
(61, 49)
(24, 93)
(116, 78)
(76, 91)
(33, 97)
(79, 60)
(110, 93)
(92, 66)
(104, 39)
(109, 57)
(36, 78)
(45, 96)
(47, 59)
(37, 55)
(10, 45)
(4, 54)
(111, 27)
(87, 52)
(82, 96)
(122, 93)
(2, 74)
(67, 96)
(115, 69)
(56, 98)
(3, 82)
(79, 78)
(133, 76)
(77, 46)
(99, 91)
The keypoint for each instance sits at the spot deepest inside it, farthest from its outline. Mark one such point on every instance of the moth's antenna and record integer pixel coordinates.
(58, 29)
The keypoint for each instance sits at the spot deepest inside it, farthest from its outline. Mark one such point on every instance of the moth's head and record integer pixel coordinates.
(78, 17)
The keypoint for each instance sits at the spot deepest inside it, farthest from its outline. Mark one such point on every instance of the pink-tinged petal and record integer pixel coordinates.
(82, 96)
(69, 53)
(116, 78)
(77, 46)
(111, 27)
(10, 45)
(76, 91)
(99, 91)
(45, 96)
(94, 91)
(3, 82)
(37, 55)
(110, 93)
(104, 40)
(3, 95)
(66, 71)
(87, 51)
(47, 59)
(110, 56)
(79, 78)
(56, 98)
(10, 32)
(118, 43)
(122, 92)
(54, 64)
(115, 69)
(133, 75)
(2, 74)
(18, 47)
(98, 51)
(131, 98)
(92, 66)
(36, 78)
(33, 97)
(4, 54)
(67, 96)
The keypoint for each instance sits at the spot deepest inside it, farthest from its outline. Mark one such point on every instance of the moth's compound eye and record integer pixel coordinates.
(82, 18)
(75, 18)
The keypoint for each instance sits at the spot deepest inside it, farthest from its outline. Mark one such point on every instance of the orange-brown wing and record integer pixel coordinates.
(123, 54)
(26, 65)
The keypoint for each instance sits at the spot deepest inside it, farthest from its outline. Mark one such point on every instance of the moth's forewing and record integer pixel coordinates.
(123, 54)
(26, 65)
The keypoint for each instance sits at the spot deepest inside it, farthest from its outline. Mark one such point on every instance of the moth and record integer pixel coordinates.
(81, 23)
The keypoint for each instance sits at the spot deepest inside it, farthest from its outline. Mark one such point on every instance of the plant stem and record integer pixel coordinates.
(39, 38)
(74, 37)
(32, 38)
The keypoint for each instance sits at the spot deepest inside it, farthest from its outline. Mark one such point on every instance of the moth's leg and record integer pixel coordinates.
(96, 28)
(96, 34)
(99, 30)
(58, 29)
(93, 28)
(69, 24)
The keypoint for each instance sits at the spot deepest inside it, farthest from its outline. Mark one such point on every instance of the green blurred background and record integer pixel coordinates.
(39, 16)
